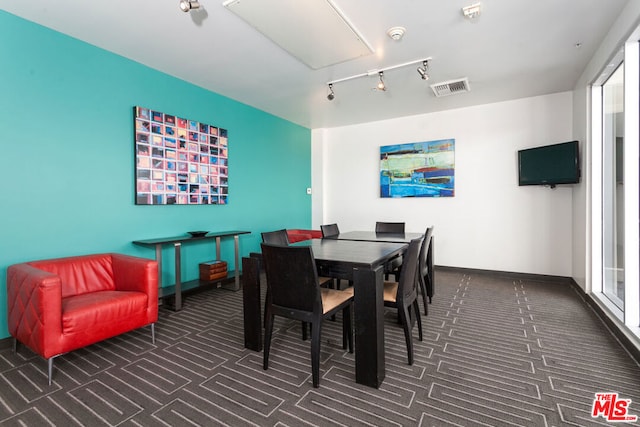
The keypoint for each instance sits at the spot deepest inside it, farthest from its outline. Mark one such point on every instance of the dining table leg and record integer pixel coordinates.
(369, 326)
(251, 303)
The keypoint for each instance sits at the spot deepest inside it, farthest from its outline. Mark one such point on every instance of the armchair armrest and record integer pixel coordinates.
(34, 308)
(135, 274)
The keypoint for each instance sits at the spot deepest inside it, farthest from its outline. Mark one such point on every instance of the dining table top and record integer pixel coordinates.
(372, 236)
(363, 253)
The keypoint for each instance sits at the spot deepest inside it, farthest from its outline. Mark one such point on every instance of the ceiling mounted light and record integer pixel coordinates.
(396, 33)
(186, 5)
(424, 73)
(424, 70)
(381, 86)
(471, 12)
(331, 95)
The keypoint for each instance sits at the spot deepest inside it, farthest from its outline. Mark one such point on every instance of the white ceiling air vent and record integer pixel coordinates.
(451, 87)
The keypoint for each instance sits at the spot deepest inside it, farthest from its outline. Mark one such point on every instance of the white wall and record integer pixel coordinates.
(491, 223)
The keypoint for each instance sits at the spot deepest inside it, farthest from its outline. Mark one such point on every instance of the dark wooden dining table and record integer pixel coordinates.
(372, 236)
(362, 263)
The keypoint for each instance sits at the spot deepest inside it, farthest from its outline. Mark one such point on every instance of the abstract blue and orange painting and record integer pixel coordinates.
(418, 169)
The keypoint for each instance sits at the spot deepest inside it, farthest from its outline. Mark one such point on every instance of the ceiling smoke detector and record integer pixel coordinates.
(396, 33)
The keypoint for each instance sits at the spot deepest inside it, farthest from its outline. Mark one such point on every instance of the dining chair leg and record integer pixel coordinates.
(347, 330)
(418, 319)
(344, 328)
(315, 353)
(266, 299)
(406, 325)
(268, 331)
(423, 291)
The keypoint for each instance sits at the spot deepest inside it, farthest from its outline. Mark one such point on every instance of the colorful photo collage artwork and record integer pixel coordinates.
(179, 161)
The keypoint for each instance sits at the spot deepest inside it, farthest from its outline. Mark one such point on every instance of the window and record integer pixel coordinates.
(615, 187)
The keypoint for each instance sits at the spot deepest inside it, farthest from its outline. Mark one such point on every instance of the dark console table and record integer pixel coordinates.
(177, 242)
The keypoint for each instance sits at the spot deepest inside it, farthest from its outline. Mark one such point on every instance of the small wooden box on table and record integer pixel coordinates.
(213, 270)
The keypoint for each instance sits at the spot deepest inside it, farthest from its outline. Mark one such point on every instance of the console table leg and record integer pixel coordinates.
(159, 261)
(237, 262)
(178, 296)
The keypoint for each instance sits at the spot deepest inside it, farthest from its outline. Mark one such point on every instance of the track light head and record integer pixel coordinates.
(381, 85)
(331, 95)
(424, 70)
(186, 5)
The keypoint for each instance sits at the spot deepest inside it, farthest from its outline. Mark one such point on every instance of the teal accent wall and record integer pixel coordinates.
(67, 158)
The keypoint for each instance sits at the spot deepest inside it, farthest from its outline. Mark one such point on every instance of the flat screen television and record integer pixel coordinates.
(549, 165)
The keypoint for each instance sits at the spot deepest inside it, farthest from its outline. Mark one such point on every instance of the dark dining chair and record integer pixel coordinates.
(277, 237)
(424, 271)
(281, 238)
(329, 230)
(389, 227)
(395, 265)
(294, 292)
(403, 295)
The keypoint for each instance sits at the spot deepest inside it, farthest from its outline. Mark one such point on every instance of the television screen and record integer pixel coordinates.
(549, 165)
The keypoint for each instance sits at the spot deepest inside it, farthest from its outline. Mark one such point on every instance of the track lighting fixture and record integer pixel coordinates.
(424, 70)
(424, 74)
(186, 5)
(331, 94)
(381, 85)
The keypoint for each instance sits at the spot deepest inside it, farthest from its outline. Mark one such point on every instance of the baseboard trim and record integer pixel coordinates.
(6, 343)
(507, 274)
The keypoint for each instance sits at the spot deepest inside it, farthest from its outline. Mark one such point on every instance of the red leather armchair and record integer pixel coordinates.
(59, 305)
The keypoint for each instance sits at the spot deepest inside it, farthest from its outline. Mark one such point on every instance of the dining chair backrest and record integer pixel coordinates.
(329, 230)
(423, 267)
(278, 237)
(407, 282)
(389, 227)
(292, 280)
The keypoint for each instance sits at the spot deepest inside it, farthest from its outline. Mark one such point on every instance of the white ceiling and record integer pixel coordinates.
(517, 48)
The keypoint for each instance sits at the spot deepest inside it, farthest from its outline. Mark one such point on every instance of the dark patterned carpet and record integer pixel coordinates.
(498, 351)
